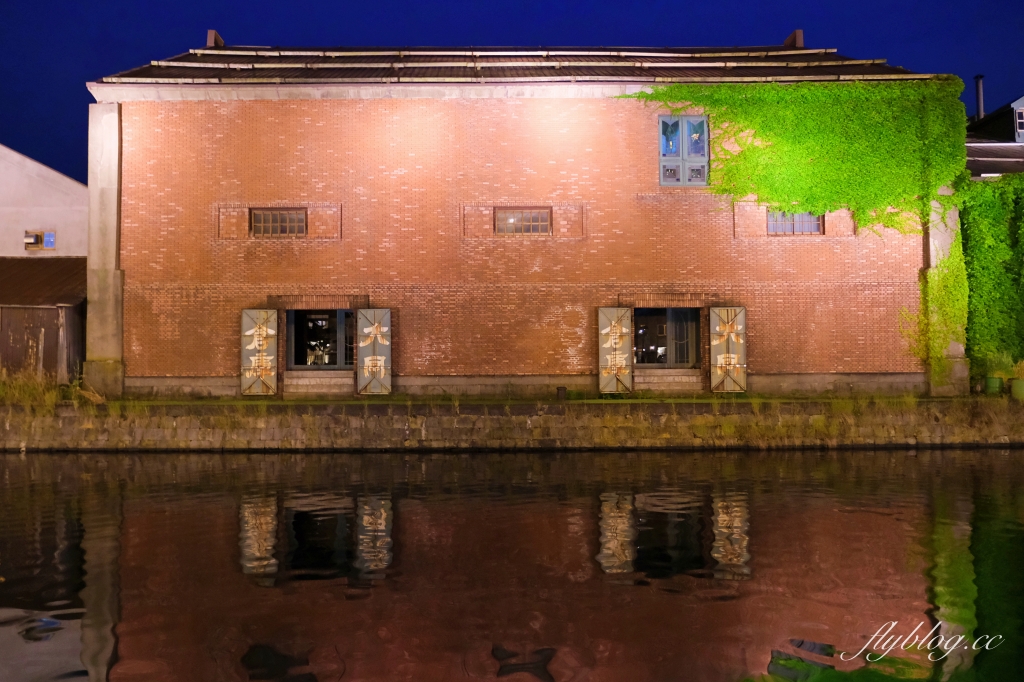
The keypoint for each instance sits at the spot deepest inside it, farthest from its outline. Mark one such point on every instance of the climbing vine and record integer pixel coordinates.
(883, 150)
(880, 149)
(992, 216)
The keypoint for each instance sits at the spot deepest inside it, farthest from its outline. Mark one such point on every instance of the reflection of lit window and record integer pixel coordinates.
(666, 337)
(321, 339)
(670, 538)
(513, 221)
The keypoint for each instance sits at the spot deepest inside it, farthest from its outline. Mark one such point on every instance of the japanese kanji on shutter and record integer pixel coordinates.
(615, 349)
(728, 349)
(259, 352)
(373, 351)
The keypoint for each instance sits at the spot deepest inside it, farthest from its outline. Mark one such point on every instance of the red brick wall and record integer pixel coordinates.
(406, 180)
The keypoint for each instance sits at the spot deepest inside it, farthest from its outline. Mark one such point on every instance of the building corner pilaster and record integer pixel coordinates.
(104, 346)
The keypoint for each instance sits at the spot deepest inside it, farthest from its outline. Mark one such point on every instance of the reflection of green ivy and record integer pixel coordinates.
(992, 215)
(880, 149)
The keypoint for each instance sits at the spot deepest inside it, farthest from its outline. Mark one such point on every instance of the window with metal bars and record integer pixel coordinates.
(289, 222)
(518, 221)
(795, 223)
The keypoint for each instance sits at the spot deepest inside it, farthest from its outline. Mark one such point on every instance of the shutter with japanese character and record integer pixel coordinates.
(615, 349)
(259, 352)
(373, 349)
(729, 349)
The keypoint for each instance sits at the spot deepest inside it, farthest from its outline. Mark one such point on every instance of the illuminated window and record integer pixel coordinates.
(513, 221)
(795, 223)
(289, 222)
(683, 151)
(321, 339)
(666, 337)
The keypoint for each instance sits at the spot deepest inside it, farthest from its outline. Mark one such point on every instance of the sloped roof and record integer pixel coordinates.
(42, 281)
(992, 148)
(241, 64)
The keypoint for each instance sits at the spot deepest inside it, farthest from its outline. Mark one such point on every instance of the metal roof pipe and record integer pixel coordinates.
(979, 90)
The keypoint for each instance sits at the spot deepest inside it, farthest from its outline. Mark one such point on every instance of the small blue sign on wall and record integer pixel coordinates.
(49, 240)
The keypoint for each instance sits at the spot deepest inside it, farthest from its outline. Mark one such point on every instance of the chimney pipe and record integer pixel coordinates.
(979, 90)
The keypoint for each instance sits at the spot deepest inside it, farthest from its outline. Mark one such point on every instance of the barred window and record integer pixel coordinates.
(522, 221)
(795, 223)
(290, 222)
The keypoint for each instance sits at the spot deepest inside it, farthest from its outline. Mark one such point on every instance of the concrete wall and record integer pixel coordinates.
(399, 194)
(36, 198)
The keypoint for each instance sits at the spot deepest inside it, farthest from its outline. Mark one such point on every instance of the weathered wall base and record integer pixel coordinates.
(781, 384)
(328, 384)
(896, 422)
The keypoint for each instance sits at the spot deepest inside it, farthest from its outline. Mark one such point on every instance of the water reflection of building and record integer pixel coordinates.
(373, 533)
(618, 533)
(257, 520)
(731, 518)
(315, 536)
(669, 531)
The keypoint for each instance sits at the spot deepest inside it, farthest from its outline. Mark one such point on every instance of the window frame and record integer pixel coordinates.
(253, 212)
(523, 209)
(683, 161)
(694, 342)
(1019, 121)
(793, 221)
(342, 315)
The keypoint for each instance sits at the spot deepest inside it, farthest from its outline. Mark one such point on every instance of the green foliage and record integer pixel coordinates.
(880, 149)
(946, 290)
(992, 216)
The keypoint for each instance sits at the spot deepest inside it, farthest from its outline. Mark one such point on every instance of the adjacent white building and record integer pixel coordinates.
(42, 212)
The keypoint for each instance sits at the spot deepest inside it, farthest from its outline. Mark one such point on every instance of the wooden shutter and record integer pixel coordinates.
(373, 351)
(728, 349)
(259, 352)
(615, 349)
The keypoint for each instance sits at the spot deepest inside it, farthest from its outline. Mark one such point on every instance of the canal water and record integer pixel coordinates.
(552, 566)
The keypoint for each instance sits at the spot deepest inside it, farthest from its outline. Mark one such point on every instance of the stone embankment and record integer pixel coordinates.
(749, 423)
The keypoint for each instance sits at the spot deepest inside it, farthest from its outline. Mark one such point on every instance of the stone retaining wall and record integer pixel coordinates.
(894, 422)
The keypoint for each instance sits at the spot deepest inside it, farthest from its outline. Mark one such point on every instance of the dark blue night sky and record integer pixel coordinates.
(48, 50)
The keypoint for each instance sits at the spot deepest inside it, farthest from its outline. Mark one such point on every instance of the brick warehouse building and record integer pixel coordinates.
(468, 221)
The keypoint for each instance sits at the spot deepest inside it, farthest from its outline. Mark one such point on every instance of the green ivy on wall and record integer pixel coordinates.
(880, 149)
(992, 215)
(883, 150)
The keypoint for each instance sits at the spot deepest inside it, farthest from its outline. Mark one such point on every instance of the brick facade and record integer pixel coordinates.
(399, 193)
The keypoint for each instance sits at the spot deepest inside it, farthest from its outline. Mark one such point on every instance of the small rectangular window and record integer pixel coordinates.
(512, 221)
(1020, 121)
(290, 222)
(795, 223)
(40, 240)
